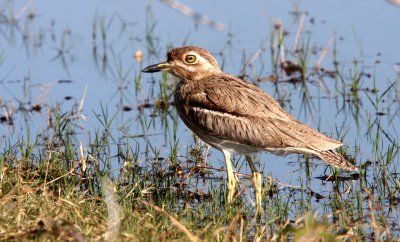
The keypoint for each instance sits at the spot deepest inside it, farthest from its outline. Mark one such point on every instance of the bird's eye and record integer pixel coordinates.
(190, 59)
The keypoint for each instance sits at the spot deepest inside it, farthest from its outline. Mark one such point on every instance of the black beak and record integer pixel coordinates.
(163, 66)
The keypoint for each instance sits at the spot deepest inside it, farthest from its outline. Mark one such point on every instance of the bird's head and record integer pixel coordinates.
(187, 63)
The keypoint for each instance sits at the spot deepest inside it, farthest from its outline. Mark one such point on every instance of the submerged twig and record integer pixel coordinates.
(323, 53)
(298, 33)
(198, 18)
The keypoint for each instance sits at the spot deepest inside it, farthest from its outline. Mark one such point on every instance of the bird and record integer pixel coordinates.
(237, 117)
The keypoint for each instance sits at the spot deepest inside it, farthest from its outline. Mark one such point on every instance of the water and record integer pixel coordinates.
(52, 57)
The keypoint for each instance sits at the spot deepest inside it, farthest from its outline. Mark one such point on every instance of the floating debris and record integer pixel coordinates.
(126, 109)
(36, 108)
(354, 176)
(65, 81)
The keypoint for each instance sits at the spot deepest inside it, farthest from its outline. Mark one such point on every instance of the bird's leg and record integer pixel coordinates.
(257, 182)
(205, 154)
(231, 177)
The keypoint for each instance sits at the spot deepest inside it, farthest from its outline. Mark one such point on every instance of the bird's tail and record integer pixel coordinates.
(335, 159)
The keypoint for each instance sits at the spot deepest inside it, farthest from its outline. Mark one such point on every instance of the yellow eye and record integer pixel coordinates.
(190, 59)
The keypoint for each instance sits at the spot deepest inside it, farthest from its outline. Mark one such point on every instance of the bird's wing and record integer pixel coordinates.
(245, 113)
(232, 95)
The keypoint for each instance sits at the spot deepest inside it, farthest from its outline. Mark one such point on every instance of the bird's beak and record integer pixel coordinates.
(163, 66)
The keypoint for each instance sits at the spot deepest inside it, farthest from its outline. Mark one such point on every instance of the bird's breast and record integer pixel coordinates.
(181, 100)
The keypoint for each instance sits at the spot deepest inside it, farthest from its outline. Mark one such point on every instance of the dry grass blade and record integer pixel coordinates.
(379, 227)
(230, 231)
(71, 171)
(113, 209)
(7, 114)
(174, 221)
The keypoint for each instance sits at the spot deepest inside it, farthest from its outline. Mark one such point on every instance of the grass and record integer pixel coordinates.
(63, 181)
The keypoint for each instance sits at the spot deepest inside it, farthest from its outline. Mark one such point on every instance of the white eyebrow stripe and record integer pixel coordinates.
(204, 63)
(201, 66)
(199, 57)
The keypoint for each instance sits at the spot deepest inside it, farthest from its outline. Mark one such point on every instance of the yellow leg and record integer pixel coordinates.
(231, 177)
(257, 183)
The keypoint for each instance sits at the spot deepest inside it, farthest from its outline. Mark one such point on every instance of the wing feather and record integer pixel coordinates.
(257, 119)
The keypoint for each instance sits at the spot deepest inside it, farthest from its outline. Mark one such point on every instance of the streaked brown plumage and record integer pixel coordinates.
(237, 117)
